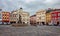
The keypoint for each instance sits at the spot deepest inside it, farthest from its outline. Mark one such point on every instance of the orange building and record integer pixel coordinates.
(5, 16)
(48, 18)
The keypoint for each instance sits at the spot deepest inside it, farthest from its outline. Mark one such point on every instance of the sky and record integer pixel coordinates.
(31, 6)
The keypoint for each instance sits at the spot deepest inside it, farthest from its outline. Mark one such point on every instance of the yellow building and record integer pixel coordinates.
(41, 17)
(48, 17)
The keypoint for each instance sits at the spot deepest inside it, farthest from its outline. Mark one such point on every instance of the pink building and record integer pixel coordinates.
(33, 20)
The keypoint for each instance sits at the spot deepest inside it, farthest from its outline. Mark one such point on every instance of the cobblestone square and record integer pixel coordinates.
(8, 30)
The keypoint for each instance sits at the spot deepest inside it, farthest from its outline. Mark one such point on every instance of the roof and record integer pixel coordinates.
(56, 9)
(50, 10)
(33, 16)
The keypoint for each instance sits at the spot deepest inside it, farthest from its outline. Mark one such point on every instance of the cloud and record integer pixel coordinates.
(30, 6)
(28, 1)
(51, 2)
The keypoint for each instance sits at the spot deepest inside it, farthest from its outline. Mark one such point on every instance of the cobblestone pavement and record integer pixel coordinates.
(7, 30)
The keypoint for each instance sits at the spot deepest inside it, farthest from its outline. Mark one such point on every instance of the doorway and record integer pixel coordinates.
(57, 23)
(43, 23)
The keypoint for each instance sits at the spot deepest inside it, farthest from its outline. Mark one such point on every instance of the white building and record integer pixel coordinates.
(21, 16)
(14, 17)
(25, 18)
(41, 16)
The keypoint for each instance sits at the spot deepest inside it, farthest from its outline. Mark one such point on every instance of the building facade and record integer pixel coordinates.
(6, 17)
(33, 20)
(41, 17)
(48, 18)
(55, 15)
(20, 16)
(13, 17)
(25, 18)
(38, 18)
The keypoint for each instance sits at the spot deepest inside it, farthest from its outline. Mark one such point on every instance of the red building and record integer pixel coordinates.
(55, 17)
(5, 16)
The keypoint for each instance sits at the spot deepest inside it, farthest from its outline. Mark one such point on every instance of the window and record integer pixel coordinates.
(5, 18)
(14, 15)
(53, 14)
(7, 15)
(3, 14)
(58, 14)
(37, 18)
(53, 19)
(59, 18)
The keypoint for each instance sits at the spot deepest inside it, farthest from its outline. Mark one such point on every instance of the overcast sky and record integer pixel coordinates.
(30, 6)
